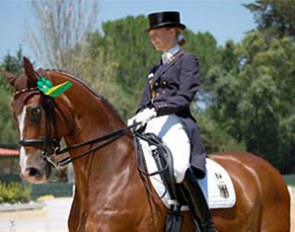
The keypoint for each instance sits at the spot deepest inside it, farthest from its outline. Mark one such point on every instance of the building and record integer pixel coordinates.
(9, 165)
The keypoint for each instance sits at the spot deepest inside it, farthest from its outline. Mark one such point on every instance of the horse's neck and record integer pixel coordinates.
(95, 118)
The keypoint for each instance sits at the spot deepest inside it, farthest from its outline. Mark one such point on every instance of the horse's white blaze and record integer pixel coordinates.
(21, 121)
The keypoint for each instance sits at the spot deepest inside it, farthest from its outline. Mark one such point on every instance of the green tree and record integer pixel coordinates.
(254, 101)
(100, 70)
(14, 65)
(214, 136)
(204, 46)
(277, 18)
(252, 97)
(128, 41)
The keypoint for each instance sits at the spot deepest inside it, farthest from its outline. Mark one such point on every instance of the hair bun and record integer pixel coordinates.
(180, 39)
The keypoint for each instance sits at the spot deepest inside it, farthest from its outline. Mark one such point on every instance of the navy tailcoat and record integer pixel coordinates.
(170, 89)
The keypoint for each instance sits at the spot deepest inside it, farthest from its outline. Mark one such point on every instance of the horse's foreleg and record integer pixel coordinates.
(74, 217)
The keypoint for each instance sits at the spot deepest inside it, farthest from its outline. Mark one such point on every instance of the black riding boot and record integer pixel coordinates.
(196, 201)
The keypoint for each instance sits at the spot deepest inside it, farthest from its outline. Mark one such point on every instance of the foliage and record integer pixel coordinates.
(214, 137)
(275, 18)
(14, 192)
(128, 40)
(255, 102)
(251, 95)
(6, 119)
(204, 47)
(14, 65)
(99, 70)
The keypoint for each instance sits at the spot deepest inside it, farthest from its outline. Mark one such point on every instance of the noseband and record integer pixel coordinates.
(50, 144)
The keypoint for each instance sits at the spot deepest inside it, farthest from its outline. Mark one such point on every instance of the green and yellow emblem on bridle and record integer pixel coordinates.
(46, 87)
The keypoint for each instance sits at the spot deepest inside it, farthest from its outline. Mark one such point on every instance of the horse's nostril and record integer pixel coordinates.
(33, 171)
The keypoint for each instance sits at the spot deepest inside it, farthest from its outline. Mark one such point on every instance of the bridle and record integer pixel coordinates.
(50, 143)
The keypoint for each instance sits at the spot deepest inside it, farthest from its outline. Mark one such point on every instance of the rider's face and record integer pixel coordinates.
(163, 38)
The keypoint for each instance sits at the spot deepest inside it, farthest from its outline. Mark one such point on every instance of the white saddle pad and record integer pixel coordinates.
(217, 185)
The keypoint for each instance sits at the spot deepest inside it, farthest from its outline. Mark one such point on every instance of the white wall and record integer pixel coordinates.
(292, 194)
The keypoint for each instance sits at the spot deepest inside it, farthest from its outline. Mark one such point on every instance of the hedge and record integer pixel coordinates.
(14, 192)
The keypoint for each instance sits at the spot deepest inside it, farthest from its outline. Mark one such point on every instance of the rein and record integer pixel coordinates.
(103, 140)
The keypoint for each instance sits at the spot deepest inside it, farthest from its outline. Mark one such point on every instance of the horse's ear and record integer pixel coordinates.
(10, 78)
(30, 73)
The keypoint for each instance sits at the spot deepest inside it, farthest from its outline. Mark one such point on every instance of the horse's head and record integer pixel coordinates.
(33, 113)
(45, 114)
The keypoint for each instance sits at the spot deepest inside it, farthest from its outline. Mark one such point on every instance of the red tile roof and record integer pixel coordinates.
(8, 152)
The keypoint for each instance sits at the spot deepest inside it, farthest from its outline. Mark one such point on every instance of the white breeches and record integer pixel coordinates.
(169, 129)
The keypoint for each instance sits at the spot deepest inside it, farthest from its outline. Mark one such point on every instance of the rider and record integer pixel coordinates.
(164, 109)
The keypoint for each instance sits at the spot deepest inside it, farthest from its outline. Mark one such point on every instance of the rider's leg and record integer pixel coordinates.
(179, 144)
(196, 201)
(173, 135)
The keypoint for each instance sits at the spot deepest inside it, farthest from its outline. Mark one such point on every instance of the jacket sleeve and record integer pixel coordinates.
(187, 88)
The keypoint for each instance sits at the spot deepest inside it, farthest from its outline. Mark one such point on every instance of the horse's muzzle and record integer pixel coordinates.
(35, 175)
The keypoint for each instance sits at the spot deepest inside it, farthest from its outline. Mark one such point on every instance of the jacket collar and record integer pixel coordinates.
(169, 54)
(162, 69)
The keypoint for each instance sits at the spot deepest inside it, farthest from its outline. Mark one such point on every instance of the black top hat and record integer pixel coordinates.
(165, 19)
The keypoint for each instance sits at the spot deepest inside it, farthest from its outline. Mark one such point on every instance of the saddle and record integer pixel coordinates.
(155, 161)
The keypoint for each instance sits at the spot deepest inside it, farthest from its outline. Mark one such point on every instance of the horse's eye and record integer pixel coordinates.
(36, 113)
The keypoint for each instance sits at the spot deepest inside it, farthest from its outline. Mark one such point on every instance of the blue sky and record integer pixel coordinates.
(224, 19)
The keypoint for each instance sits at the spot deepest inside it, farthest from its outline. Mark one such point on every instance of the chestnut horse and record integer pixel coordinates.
(110, 194)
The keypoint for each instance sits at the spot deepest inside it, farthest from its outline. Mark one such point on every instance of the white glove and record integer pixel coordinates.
(143, 117)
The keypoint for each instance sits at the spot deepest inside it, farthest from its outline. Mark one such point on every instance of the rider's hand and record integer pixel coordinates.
(143, 117)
